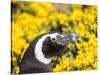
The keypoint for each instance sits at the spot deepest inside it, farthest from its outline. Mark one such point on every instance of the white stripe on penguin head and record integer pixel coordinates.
(38, 49)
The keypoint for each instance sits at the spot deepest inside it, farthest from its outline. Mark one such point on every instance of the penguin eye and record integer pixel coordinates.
(53, 39)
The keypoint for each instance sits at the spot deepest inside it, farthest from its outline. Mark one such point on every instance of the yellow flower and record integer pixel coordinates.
(13, 1)
(17, 69)
(13, 58)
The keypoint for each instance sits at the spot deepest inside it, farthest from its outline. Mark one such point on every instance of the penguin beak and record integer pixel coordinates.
(70, 37)
(67, 38)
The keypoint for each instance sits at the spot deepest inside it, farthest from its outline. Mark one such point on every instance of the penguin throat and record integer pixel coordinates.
(38, 51)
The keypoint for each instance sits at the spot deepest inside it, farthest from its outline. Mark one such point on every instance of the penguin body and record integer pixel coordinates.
(38, 56)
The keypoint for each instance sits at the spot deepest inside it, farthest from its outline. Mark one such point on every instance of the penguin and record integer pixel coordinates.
(39, 54)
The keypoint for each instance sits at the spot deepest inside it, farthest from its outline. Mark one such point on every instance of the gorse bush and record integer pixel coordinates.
(30, 19)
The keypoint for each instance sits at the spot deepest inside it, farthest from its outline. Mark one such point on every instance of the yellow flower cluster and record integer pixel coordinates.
(86, 46)
(30, 19)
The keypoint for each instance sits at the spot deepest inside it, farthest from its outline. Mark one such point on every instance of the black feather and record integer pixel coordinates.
(29, 64)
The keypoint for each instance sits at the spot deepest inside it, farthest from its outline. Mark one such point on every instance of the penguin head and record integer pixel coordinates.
(43, 48)
(54, 43)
